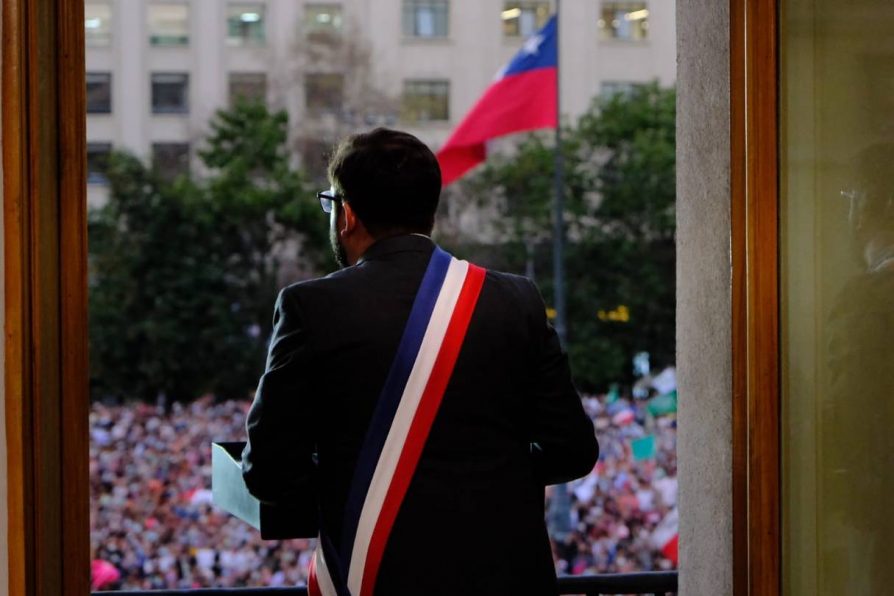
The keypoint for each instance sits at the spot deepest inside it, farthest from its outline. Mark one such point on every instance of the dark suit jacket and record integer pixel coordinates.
(472, 521)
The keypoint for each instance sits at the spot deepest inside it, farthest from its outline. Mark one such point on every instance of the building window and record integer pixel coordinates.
(426, 18)
(315, 158)
(97, 23)
(170, 93)
(323, 92)
(99, 93)
(612, 88)
(523, 19)
(323, 21)
(98, 162)
(624, 21)
(246, 25)
(426, 101)
(248, 86)
(170, 160)
(168, 24)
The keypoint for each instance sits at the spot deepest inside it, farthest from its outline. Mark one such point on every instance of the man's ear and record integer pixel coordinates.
(350, 223)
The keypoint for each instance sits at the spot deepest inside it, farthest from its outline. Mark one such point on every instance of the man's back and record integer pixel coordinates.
(472, 518)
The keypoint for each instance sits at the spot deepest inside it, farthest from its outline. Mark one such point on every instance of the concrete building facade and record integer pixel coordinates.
(157, 70)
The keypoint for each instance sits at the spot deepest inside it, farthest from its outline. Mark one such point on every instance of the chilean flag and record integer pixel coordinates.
(666, 537)
(523, 97)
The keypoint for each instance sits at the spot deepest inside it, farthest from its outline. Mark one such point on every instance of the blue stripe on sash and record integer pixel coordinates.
(389, 399)
(336, 574)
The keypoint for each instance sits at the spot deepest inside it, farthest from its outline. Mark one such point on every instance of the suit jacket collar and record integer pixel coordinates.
(397, 244)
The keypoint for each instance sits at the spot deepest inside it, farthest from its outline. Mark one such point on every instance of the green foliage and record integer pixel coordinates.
(620, 191)
(183, 273)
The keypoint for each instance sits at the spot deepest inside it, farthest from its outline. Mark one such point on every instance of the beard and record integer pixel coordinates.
(341, 257)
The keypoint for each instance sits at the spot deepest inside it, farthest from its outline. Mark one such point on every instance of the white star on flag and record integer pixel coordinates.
(532, 45)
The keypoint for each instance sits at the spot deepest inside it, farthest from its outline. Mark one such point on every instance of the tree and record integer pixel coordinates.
(620, 190)
(183, 274)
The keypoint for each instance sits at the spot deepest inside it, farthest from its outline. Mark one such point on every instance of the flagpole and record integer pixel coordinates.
(559, 205)
(560, 507)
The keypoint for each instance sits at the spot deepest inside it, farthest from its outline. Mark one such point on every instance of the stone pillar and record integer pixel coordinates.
(704, 298)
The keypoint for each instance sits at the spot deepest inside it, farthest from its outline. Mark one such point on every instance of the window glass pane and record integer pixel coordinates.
(522, 19)
(248, 86)
(624, 21)
(168, 24)
(99, 93)
(425, 18)
(323, 21)
(97, 162)
(609, 88)
(323, 92)
(426, 101)
(246, 24)
(170, 160)
(837, 284)
(170, 93)
(97, 23)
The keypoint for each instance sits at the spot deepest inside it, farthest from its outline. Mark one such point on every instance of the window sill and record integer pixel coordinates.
(622, 43)
(259, 45)
(426, 41)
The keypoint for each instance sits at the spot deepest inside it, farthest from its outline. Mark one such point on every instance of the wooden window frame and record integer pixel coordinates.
(45, 260)
(754, 131)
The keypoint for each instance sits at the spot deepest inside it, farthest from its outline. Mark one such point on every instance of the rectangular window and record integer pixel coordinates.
(99, 93)
(170, 160)
(426, 101)
(168, 24)
(523, 19)
(315, 158)
(248, 86)
(97, 162)
(426, 18)
(97, 23)
(610, 88)
(323, 92)
(323, 21)
(170, 93)
(246, 25)
(624, 21)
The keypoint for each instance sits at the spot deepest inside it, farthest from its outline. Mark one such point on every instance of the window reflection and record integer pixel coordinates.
(168, 24)
(624, 21)
(522, 19)
(323, 21)
(97, 23)
(425, 18)
(246, 24)
(838, 297)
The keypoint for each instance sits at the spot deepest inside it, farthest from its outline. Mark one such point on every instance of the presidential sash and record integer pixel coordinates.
(400, 426)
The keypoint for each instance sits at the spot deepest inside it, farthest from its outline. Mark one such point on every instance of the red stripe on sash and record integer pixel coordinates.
(422, 421)
(313, 585)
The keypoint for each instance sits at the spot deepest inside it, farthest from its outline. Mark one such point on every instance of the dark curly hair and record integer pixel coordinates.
(390, 178)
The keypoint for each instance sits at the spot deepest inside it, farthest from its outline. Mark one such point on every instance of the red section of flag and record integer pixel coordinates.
(514, 103)
(670, 550)
(421, 425)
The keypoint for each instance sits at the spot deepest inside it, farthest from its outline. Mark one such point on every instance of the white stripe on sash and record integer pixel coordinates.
(397, 435)
(324, 580)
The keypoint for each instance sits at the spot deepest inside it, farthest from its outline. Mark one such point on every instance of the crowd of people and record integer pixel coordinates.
(153, 525)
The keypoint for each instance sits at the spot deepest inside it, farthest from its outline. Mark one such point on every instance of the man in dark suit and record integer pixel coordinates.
(511, 421)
